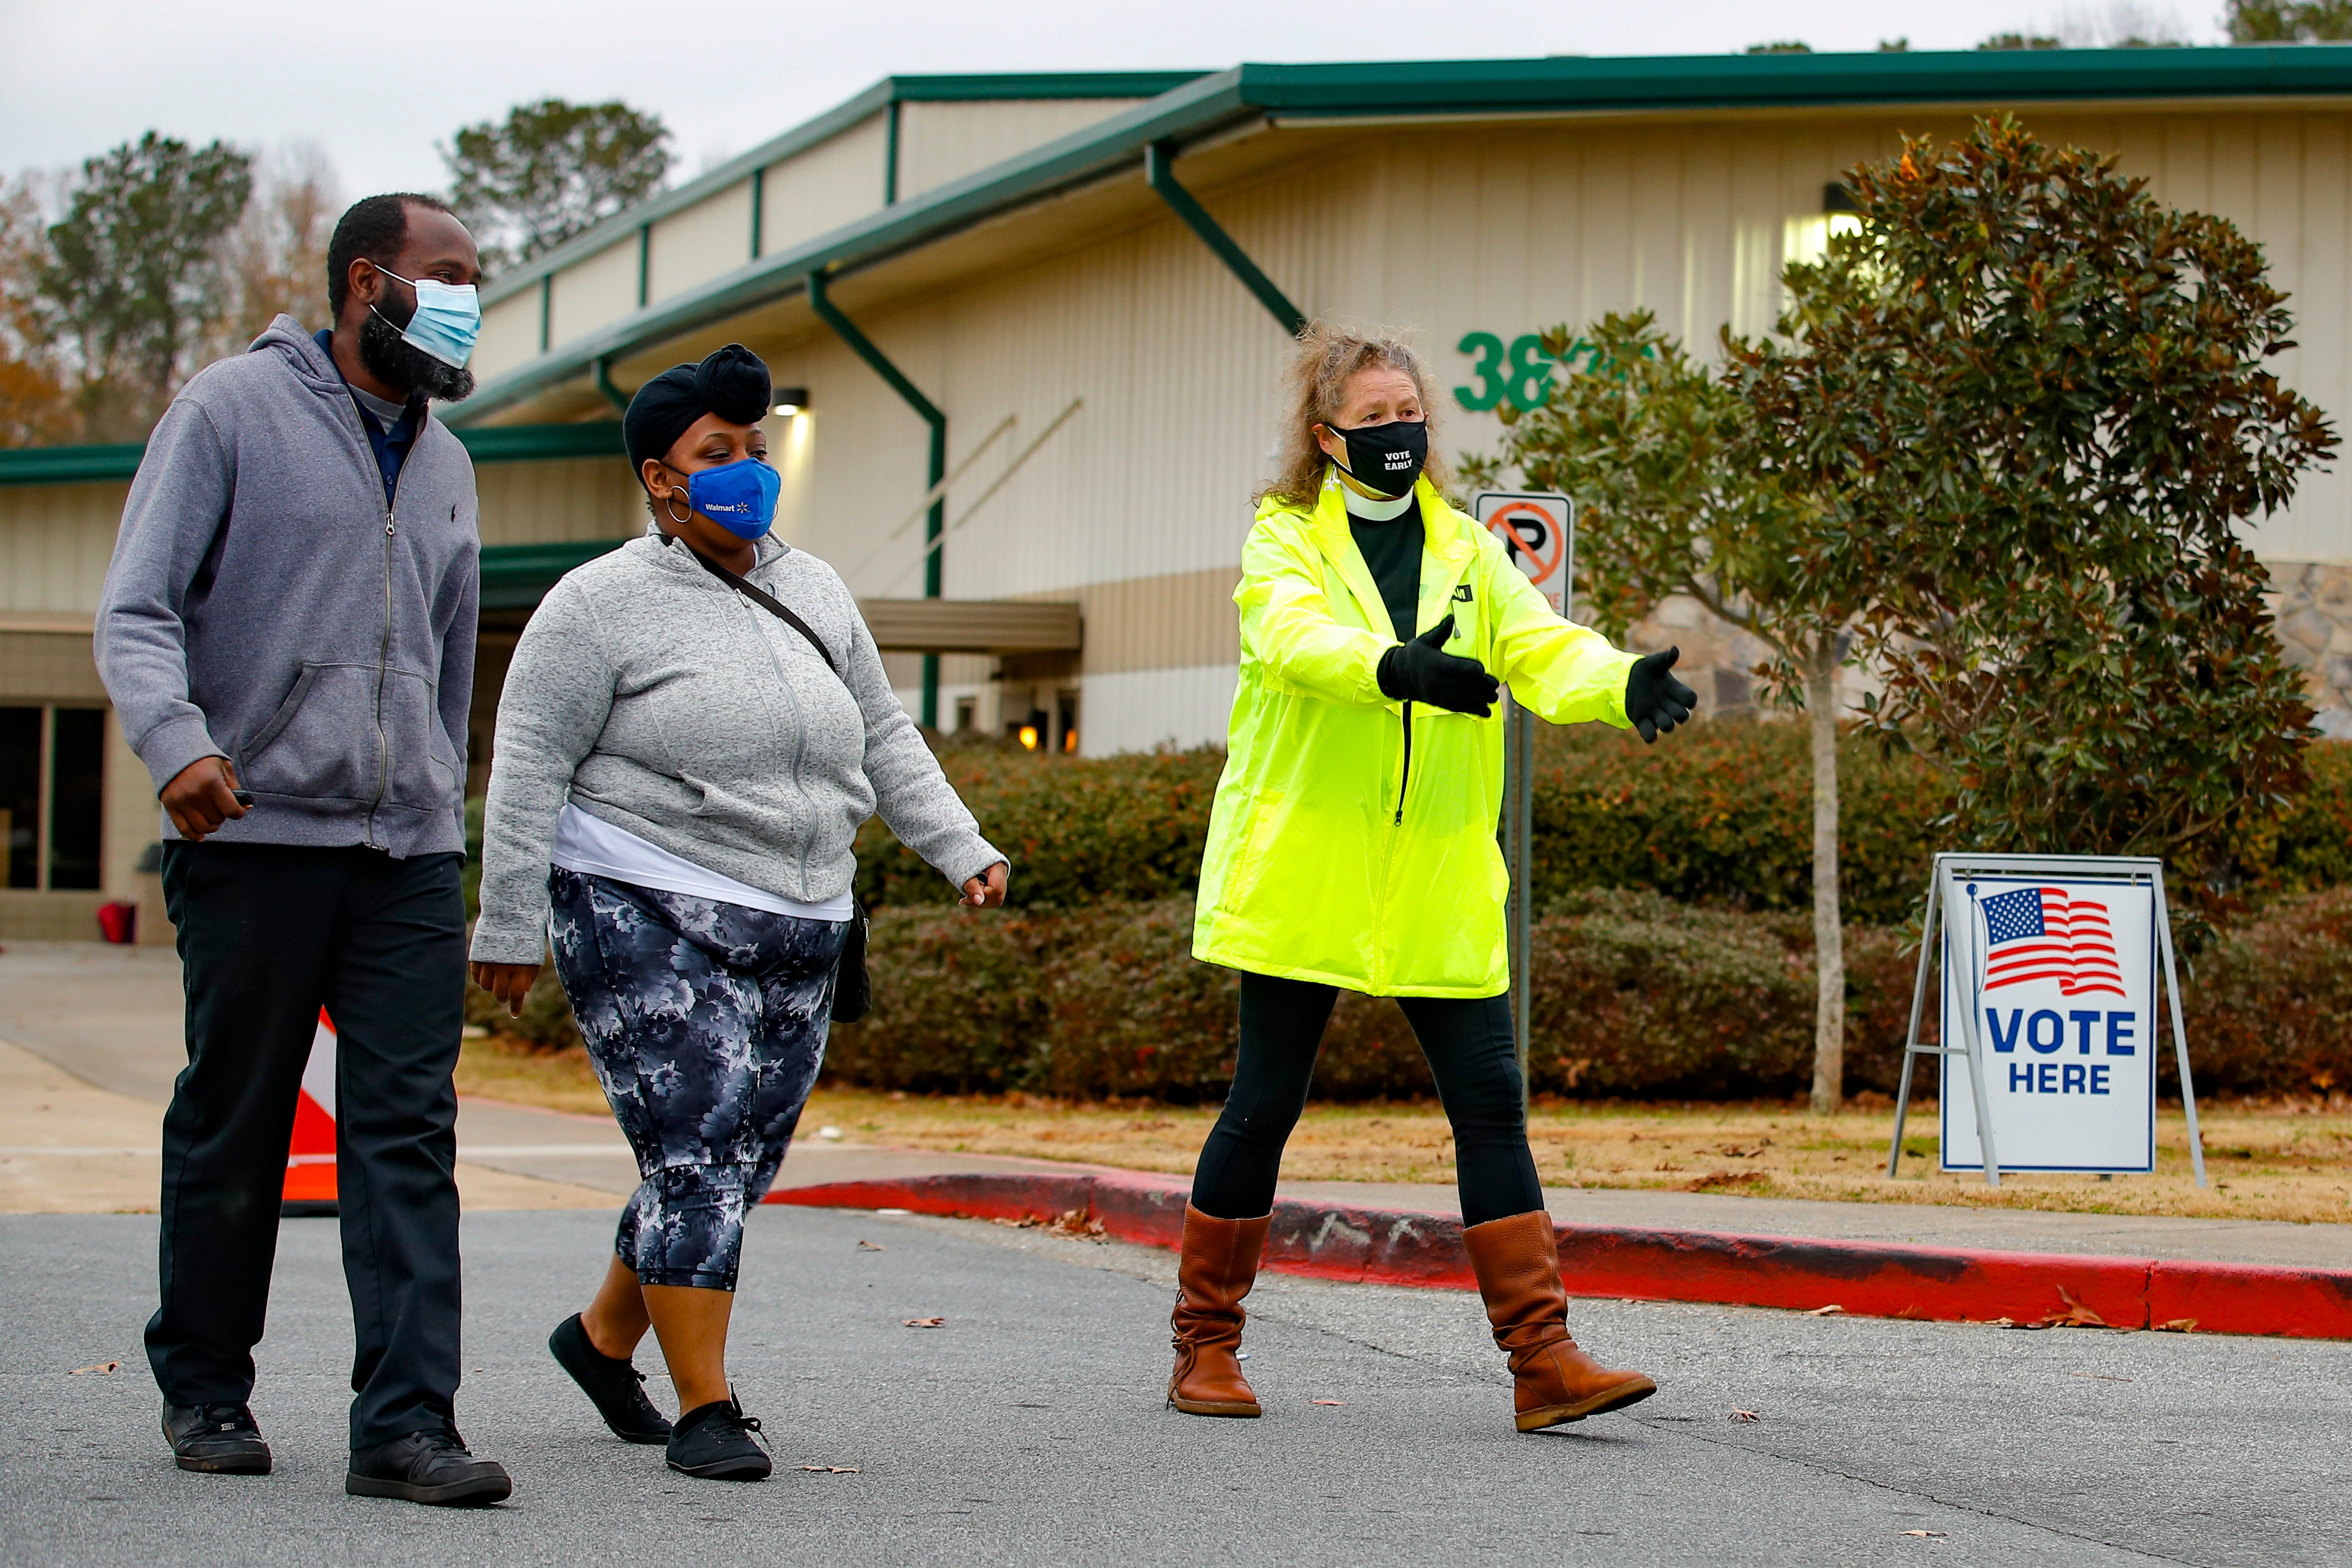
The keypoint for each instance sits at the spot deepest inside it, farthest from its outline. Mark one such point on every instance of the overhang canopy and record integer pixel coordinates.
(972, 626)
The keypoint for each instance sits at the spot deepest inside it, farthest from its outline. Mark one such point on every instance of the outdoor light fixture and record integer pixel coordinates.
(791, 400)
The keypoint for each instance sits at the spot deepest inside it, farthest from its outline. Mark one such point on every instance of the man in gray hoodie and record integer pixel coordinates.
(287, 630)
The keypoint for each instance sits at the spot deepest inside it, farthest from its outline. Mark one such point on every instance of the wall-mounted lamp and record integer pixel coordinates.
(791, 400)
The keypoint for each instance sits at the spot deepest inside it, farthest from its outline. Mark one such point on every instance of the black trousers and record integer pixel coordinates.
(1471, 1054)
(269, 934)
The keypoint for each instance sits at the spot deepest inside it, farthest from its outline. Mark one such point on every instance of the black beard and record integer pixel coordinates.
(398, 363)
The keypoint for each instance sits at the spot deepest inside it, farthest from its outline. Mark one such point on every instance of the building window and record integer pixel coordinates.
(966, 708)
(52, 771)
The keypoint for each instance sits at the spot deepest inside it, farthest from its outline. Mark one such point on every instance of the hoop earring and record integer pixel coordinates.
(667, 506)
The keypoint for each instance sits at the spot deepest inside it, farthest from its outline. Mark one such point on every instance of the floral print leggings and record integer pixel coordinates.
(707, 1024)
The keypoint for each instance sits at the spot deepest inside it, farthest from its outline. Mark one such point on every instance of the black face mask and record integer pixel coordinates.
(1385, 457)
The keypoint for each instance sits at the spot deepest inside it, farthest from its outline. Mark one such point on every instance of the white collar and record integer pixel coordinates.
(1369, 511)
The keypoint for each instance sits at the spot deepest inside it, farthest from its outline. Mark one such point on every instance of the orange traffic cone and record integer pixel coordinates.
(310, 1159)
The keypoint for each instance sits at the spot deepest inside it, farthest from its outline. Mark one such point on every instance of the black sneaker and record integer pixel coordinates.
(614, 1385)
(715, 1442)
(217, 1439)
(429, 1468)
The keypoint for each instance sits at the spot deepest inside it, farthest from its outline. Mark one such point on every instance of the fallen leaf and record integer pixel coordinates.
(1326, 1402)
(100, 1366)
(2075, 1316)
(1745, 1416)
(1831, 1311)
(871, 1246)
(2177, 1326)
(1931, 1534)
(925, 1322)
(832, 1470)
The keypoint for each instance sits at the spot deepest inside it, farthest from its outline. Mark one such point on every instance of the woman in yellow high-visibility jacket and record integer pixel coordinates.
(1352, 844)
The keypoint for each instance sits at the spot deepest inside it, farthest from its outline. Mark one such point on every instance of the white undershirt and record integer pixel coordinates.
(595, 848)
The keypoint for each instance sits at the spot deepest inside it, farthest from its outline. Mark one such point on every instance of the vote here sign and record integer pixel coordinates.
(2056, 980)
(1538, 533)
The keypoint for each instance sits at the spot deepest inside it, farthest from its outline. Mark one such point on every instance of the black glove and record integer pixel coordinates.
(1654, 701)
(1423, 671)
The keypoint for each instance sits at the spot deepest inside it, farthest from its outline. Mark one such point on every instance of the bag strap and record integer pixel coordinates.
(769, 603)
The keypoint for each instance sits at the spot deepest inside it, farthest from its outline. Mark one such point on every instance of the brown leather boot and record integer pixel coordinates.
(1517, 1264)
(1215, 1270)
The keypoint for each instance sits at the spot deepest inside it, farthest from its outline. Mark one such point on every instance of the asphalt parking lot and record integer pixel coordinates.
(1029, 1428)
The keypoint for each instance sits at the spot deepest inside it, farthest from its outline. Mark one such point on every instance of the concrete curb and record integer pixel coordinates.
(1879, 1280)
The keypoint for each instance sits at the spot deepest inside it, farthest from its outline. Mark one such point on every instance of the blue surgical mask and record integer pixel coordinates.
(449, 318)
(739, 497)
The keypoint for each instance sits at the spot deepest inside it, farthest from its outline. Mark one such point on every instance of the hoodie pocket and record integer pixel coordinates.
(424, 766)
(322, 743)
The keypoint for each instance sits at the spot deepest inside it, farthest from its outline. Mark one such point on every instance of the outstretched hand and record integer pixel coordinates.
(1654, 701)
(1423, 671)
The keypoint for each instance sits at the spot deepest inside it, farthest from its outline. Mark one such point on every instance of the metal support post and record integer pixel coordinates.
(935, 523)
(2180, 1031)
(1518, 839)
(1159, 172)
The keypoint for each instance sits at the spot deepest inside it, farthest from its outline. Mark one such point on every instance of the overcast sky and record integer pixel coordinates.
(378, 86)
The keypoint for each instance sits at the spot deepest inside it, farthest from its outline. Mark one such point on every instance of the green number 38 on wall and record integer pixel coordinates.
(1522, 372)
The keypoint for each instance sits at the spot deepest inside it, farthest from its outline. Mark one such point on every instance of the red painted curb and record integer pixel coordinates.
(1405, 1247)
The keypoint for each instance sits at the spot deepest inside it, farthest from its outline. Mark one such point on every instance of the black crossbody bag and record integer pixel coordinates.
(853, 986)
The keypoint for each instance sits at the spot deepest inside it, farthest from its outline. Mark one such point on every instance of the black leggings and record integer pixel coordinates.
(1470, 1052)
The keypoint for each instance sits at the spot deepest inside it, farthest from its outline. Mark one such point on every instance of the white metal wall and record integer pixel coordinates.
(838, 179)
(510, 335)
(589, 293)
(712, 236)
(942, 141)
(544, 503)
(55, 543)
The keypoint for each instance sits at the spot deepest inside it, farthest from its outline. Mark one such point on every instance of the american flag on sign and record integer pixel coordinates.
(2038, 933)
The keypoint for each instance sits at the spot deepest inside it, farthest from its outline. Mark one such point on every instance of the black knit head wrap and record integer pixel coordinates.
(732, 383)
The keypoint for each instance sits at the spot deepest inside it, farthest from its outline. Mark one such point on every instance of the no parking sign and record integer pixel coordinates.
(1539, 532)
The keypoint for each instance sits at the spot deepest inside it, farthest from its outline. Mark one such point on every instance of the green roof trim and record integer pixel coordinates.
(517, 576)
(70, 464)
(1764, 82)
(490, 444)
(616, 229)
(1204, 105)
(542, 443)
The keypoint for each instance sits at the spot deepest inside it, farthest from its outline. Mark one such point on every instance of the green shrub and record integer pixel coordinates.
(2269, 1002)
(1721, 814)
(1635, 997)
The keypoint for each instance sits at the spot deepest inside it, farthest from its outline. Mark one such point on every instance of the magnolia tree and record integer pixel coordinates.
(1659, 453)
(2032, 409)
(2002, 447)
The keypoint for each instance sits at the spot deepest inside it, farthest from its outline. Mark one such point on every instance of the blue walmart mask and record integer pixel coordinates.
(448, 320)
(739, 497)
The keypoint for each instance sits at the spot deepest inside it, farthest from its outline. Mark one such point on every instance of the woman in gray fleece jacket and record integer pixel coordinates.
(679, 772)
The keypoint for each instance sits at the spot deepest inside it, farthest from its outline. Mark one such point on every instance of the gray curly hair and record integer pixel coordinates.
(1323, 360)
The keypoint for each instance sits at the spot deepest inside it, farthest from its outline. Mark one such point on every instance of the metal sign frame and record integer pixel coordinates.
(1953, 867)
(1518, 783)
